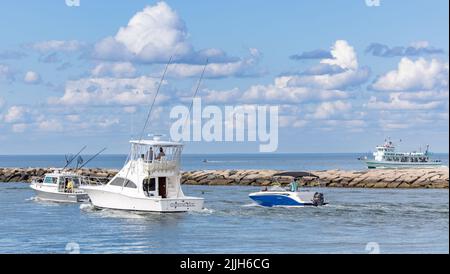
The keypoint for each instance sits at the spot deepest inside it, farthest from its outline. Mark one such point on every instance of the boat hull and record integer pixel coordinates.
(386, 164)
(101, 198)
(284, 199)
(61, 197)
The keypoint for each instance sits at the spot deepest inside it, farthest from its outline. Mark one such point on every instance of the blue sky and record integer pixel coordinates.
(71, 76)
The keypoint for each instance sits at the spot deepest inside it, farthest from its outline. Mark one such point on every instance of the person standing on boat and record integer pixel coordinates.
(150, 155)
(294, 185)
(69, 186)
(161, 154)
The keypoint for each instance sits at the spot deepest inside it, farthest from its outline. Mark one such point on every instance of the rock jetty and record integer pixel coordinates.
(372, 178)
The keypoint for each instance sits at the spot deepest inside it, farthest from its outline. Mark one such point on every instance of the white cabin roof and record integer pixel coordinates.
(156, 143)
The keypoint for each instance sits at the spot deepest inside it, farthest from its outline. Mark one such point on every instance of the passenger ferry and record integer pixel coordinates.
(386, 156)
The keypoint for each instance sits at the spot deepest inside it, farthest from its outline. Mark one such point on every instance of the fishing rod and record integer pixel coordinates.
(90, 159)
(70, 161)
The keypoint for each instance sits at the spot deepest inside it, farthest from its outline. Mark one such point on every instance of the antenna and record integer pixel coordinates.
(68, 161)
(85, 163)
(154, 98)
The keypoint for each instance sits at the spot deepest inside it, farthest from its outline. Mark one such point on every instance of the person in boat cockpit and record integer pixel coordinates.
(294, 185)
(160, 154)
(150, 155)
(69, 187)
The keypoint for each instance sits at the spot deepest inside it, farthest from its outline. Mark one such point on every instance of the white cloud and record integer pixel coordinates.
(241, 67)
(219, 96)
(32, 77)
(50, 125)
(73, 117)
(279, 91)
(343, 54)
(329, 84)
(157, 33)
(327, 109)
(15, 114)
(58, 45)
(130, 109)
(19, 128)
(342, 80)
(6, 72)
(291, 121)
(152, 35)
(414, 75)
(106, 123)
(117, 69)
(395, 102)
(420, 44)
(110, 91)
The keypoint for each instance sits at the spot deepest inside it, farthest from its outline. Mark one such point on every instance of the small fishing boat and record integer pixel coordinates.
(59, 186)
(62, 185)
(288, 197)
(386, 156)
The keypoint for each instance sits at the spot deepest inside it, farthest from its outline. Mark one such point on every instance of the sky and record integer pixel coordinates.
(344, 75)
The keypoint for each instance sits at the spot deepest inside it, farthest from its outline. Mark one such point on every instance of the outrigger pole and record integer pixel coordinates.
(70, 161)
(92, 158)
(197, 88)
(148, 114)
(154, 98)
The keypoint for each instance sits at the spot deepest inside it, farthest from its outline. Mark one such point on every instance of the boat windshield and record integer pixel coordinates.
(276, 188)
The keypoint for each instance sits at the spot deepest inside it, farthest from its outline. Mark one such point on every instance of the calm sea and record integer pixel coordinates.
(355, 221)
(303, 161)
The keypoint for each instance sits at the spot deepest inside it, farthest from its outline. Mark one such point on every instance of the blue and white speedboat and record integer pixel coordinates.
(282, 197)
(290, 197)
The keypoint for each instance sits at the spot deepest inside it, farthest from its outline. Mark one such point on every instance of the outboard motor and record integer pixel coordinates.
(318, 199)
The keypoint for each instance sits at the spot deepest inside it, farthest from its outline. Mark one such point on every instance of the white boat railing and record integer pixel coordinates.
(85, 180)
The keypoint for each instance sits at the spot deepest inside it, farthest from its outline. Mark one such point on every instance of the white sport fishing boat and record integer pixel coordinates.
(386, 156)
(59, 186)
(149, 181)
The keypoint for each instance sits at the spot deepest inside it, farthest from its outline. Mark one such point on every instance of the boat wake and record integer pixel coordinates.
(36, 199)
(87, 207)
(251, 205)
(206, 211)
(111, 213)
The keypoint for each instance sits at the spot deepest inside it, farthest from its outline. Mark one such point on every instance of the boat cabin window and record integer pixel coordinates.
(130, 184)
(50, 180)
(149, 184)
(121, 182)
(75, 181)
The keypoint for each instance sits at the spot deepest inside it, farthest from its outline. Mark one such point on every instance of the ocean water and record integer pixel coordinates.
(294, 161)
(355, 221)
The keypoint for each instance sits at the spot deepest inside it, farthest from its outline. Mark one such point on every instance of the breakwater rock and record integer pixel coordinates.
(373, 178)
